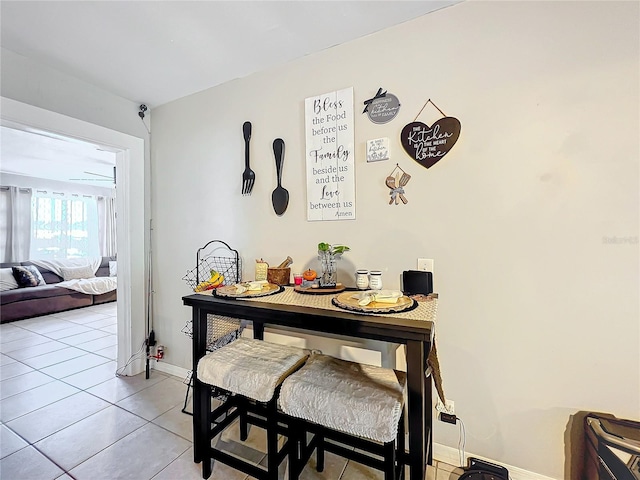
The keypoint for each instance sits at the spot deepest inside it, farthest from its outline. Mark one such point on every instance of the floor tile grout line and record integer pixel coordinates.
(53, 379)
(38, 368)
(49, 331)
(57, 431)
(147, 422)
(171, 462)
(95, 395)
(53, 351)
(86, 370)
(88, 416)
(108, 446)
(19, 349)
(63, 361)
(32, 445)
(59, 340)
(27, 413)
(162, 426)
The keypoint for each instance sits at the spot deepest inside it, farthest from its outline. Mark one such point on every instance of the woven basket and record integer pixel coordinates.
(279, 276)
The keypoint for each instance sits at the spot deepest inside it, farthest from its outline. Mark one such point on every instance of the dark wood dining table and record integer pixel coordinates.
(416, 334)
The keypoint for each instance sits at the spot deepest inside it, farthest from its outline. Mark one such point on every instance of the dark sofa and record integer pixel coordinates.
(44, 299)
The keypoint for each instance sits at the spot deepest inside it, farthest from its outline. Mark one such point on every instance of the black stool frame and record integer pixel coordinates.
(323, 439)
(249, 412)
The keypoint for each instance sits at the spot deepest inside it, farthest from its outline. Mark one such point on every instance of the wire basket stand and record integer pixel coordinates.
(220, 257)
(217, 256)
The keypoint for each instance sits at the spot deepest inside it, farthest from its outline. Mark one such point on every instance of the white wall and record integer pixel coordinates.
(36, 84)
(538, 312)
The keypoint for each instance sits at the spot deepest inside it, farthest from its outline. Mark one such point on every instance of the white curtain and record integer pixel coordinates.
(107, 226)
(64, 226)
(15, 224)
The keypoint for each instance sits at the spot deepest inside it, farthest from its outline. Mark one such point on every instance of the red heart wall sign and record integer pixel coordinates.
(427, 145)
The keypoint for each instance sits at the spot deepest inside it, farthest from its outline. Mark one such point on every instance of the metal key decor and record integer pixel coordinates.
(428, 144)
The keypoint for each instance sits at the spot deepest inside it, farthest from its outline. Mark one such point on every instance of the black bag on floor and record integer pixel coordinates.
(481, 470)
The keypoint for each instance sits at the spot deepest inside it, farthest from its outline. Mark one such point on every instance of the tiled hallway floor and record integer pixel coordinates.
(64, 414)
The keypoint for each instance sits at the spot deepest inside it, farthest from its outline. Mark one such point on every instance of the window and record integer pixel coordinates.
(64, 226)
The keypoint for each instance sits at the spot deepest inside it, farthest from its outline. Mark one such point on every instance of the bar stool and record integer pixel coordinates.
(346, 404)
(250, 371)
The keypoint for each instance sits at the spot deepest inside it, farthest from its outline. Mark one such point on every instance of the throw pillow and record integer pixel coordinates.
(113, 269)
(7, 280)
(73, 273)
(27, 276)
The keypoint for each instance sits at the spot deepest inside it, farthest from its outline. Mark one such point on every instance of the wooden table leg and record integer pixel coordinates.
(201, 392)
(416, 408)
(258, 330)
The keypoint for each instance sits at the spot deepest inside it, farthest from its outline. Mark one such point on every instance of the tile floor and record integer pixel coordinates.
(65, 415)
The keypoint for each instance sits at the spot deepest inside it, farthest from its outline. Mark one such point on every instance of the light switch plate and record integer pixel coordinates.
(425, 264)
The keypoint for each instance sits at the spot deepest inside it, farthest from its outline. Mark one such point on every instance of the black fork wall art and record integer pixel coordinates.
(428, 144)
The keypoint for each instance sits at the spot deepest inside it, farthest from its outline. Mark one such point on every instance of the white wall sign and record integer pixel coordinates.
(377, 149)
(330, 156)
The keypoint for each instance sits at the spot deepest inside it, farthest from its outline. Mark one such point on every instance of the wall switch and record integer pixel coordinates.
(425, 264)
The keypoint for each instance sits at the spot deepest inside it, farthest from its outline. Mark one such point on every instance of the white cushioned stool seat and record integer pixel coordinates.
(252, 368)
(349, 397)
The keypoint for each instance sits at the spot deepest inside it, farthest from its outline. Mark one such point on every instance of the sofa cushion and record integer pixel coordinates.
(103, 270)
(42, 291)
(353, 398)
(27, 276)
(49, 276)
(7, 280)
(76, 273)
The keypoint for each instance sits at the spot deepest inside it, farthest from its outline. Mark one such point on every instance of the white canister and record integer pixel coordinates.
(375, 280)
(362, 279)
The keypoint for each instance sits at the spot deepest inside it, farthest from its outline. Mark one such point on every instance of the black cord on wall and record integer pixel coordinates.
(150, 339)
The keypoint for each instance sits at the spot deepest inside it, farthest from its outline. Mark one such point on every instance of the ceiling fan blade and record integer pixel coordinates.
(106, 178)
(99, 175)
(92, 179)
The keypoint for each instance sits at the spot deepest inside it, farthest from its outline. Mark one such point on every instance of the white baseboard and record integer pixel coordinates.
(451, 456)
(170, 369)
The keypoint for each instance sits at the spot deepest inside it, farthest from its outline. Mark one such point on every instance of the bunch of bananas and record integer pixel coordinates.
(216, 280)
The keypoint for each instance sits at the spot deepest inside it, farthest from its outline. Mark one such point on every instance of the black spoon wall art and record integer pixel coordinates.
(280, 196)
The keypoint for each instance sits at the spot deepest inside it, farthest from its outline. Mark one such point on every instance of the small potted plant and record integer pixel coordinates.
(328, 254)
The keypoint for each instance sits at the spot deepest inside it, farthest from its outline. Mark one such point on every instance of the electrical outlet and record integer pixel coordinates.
(425, 264)
(449, 408)
(447, 418)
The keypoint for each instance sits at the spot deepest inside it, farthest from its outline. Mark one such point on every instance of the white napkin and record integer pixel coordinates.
(250, 286)
(379, 296)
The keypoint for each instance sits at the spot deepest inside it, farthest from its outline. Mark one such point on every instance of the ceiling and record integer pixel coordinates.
(154, 52)
(46, 155)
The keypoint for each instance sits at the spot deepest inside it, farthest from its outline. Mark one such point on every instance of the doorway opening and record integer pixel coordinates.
(130, 223)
